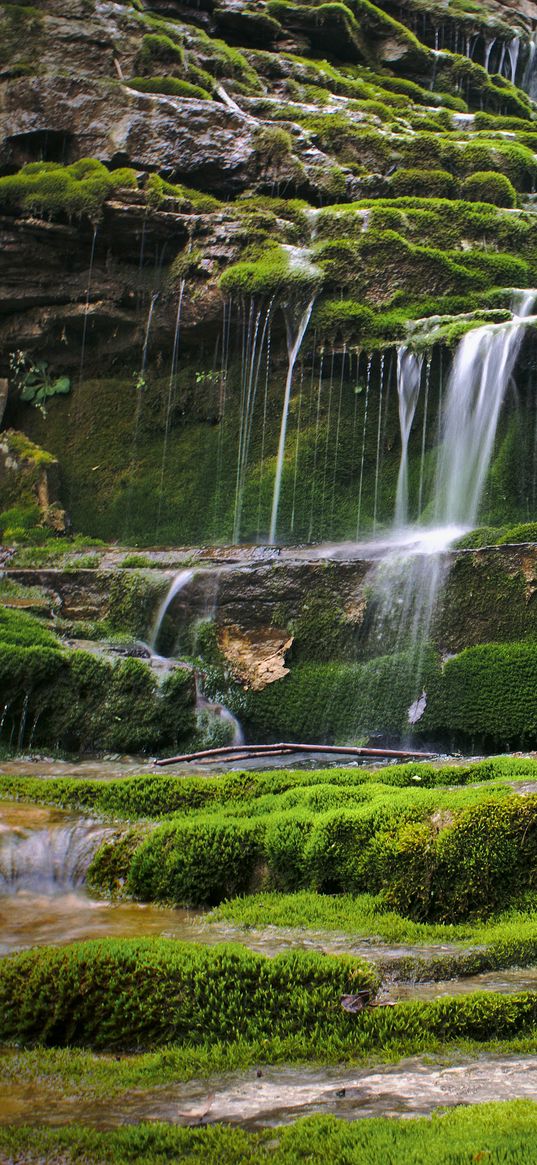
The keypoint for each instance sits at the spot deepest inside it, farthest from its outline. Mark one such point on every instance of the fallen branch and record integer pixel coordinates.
(247, 751)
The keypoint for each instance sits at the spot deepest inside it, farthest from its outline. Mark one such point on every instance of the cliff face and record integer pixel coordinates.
(179, 183)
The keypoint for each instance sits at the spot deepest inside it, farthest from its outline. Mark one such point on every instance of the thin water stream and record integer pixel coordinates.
(275, 1096)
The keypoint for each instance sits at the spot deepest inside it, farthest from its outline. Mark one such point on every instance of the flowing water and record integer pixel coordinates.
(409, 367)
(296, 330)
(408, 580)
(273, 1096)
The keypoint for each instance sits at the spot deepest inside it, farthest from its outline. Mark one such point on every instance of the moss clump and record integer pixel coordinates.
(158, 48)
(278, 270)
(217, 993)
(424, 183)
(487, 693)
(77, 191)
(486, 186)
(157, 190)
(169, 86)
(76, 700)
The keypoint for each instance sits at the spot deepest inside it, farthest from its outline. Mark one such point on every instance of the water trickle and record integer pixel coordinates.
(297, 446)
(489, 45)
(409, 367)
(86, 308)
(379, 432)
(336, 442)
(364, 433)
(316, 446)
(296, 330)
(169, 401)
(255, 336)
(424, 432)
(47, 860)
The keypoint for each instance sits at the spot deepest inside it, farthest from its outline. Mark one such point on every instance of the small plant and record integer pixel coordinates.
(34, 381)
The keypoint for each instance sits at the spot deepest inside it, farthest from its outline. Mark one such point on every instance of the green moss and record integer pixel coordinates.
(501, 1132)
(419, 183)
(170, 86)
(158, 48)
(52, 189)
(217, 993)
(486, 186)
(274, 272)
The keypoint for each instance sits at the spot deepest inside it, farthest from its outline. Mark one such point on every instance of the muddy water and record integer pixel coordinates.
(280, 1095)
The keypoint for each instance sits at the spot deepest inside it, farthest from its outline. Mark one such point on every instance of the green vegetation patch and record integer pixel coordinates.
(140, 993)
(501, 1133)
(50, 188)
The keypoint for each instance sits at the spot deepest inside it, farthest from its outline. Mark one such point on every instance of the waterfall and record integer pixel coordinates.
(481, 372)
(407, 582)
(51, 860)
(409, 367)
(295, 335)
(529, 80)
(513, 50)
(180, 581)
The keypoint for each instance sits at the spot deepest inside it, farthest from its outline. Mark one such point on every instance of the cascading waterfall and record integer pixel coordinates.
(296, 331)
(409, 367)
(408, 581)
(481, 372)
(513, 51)
(529, 80)
(48, 860)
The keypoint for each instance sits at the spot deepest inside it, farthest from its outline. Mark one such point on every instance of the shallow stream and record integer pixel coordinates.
(277, 1096)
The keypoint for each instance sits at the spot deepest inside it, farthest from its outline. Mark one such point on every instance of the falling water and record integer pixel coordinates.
(178, 584)
(409, 367)
(263, 435)
(408, 581)
(529, 80)
(295, 335)
(316, 447)
(86, 308)
(327, 445)
(297, 447)
(379, 431)
(169, 401)
(336, 442)
(513, 50)
(490, 44)
(481, 372)
(50, 860)
(255, 337)
(364, 432)
(424, 432)
(140, 385)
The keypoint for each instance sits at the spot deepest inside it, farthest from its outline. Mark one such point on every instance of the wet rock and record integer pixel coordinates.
(257, 657)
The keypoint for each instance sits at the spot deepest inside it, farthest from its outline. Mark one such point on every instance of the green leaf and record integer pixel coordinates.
(61, 386)
(28, 392)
